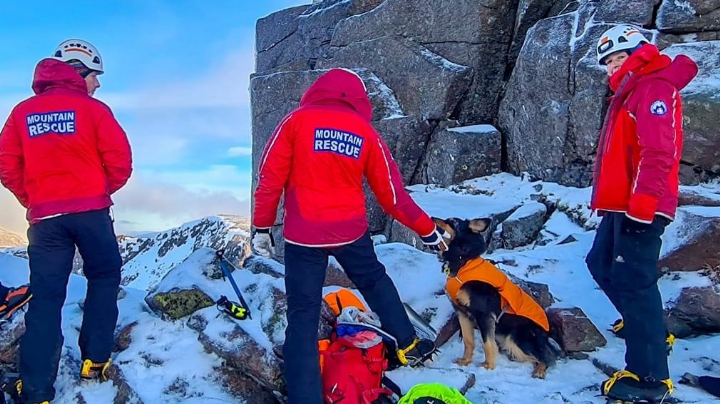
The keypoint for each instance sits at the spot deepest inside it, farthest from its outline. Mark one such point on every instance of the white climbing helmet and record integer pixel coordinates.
(617, 39)
(77, 49)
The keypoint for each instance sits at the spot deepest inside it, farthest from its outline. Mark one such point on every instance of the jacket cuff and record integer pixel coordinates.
(642, 208)
(265, 230)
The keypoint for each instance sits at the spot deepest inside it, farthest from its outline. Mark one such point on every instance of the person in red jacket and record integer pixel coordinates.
(318, 157)
(636, 191)
(63, 155)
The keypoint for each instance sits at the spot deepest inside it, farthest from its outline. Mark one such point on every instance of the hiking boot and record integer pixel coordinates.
(626, 386)
(12, 385)
(16, 299)
(618, 328)
(418, 352)
(94, 371)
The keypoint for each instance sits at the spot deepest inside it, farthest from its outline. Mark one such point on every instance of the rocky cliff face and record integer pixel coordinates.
(527, 67)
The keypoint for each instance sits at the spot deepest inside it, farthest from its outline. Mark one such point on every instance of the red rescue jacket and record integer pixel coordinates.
(638, 158)
(318, 156)
(62, 151)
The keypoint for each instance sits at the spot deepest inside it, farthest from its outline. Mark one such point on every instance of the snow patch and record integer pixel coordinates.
(705, 55)
(479, 129)
(442, 62)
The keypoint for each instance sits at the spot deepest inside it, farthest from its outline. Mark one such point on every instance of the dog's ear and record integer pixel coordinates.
(480, 225)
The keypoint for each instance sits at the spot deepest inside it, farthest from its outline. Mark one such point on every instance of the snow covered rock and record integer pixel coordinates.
(558, 229)
(243, 387)
(529, 12)
(260, 265)
(306, 34)
(429, 86)
(335, 276)
(227, 339)
(699, 236)
(524, 225)
(276, 27)
(178, 303)
(639, 12)
(462, 153)
(701, 105)
(10, 340)
(124, 393)
(691, 198)
(684, 16)
(695, 312)
(534, 114)
(148, 259)
(407, 138)
(123, 338)
(468, 33)
(574, 331)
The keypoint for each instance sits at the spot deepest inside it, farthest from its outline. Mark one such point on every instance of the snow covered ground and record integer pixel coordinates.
(167, 364)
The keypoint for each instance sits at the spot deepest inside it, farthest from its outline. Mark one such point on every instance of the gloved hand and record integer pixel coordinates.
(263, 243)
(436, 240)
(630, 226)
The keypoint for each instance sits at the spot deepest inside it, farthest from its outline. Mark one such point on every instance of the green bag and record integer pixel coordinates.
(431, 393)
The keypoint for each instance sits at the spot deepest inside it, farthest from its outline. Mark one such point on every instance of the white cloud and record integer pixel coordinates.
(224, 85)
(240, 151)
(150, 205)
(12, 214)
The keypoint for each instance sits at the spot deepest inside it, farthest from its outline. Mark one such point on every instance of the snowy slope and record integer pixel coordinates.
(165, 353)
(148, 260)
(10, 239)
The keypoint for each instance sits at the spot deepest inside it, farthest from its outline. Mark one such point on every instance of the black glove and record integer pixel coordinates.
(630, 226)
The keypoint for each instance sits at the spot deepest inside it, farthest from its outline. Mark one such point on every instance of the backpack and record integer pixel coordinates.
(353, 361)
(343, 298)
(433, 393)
(353, 375)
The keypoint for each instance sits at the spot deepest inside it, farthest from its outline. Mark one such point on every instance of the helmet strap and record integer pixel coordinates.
(80, 68)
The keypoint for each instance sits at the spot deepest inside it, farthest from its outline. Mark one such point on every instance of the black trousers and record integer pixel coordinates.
(625, 267)
(51, 252)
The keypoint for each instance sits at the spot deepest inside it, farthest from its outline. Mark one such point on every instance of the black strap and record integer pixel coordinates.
(392, 386)
(337, 299)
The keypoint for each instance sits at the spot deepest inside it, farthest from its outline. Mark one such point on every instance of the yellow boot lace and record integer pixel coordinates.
(617, 376)
(402, 352)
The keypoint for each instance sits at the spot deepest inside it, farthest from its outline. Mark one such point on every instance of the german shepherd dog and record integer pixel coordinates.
(479, 303)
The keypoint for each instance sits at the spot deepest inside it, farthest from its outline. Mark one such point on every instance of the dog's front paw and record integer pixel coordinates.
(463, 361)
(488, 365)
(539, 372)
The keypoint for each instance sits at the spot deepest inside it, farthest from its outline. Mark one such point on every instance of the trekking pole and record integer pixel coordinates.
(238, 311)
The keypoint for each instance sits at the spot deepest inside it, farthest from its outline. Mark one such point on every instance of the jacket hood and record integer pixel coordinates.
(342, 89)
(649, 62)
(680, 73)
(52, 73)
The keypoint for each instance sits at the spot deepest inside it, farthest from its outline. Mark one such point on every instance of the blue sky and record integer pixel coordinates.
(176, 76)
